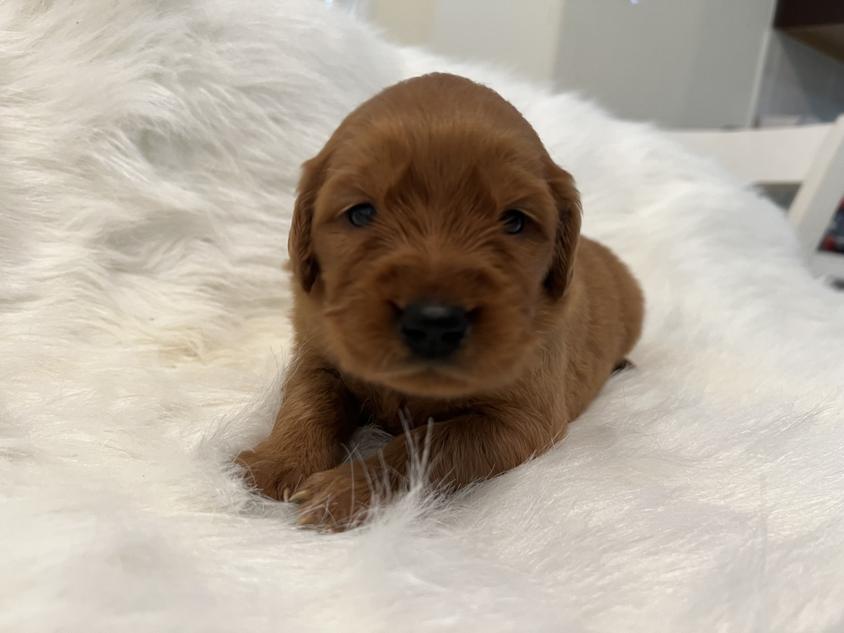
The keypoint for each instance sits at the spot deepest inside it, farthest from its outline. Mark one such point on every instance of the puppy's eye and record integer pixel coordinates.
(514, 221)
(361, 214)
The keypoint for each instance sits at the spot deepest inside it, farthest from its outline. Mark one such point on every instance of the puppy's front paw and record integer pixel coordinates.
(336, 499)
(275, 478)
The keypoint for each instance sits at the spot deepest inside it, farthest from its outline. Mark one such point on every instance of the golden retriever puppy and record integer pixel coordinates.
(440, 275)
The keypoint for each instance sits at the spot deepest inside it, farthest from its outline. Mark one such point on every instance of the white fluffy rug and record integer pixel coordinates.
(148, 154)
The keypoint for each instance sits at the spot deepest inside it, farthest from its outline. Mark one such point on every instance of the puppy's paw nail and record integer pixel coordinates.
(310, 518)
(299, 496)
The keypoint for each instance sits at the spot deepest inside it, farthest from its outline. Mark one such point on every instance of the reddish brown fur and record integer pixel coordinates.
(440, 158)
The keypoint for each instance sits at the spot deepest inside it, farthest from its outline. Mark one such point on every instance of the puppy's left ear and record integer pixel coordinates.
(303, 261)
(567, 200)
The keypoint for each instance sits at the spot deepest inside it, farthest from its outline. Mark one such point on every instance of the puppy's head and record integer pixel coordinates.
(432, 239)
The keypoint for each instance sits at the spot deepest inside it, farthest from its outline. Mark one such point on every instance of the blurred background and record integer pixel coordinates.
(758, 85)
(678, 63)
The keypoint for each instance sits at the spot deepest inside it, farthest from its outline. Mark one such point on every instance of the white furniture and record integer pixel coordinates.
(810, 157)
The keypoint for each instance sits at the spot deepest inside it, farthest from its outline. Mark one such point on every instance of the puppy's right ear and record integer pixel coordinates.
(303, 261)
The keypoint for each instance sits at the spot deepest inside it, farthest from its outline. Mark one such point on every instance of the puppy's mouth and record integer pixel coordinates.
(438, 379)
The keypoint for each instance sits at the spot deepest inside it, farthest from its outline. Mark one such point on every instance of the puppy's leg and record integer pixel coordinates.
(461, 450)
(315, 418)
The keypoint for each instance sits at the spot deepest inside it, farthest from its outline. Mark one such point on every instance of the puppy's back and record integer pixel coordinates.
(610, 281)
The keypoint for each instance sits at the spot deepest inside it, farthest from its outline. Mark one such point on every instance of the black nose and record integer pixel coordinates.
(433, 330)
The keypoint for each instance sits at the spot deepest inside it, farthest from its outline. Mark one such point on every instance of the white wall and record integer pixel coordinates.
(680, 63)
(683, 63)
(519, 36)
(409, 22)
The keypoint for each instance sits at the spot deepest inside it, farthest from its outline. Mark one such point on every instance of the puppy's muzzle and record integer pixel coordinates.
(432, 330)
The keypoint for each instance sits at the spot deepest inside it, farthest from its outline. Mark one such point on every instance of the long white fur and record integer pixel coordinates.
(148, 156)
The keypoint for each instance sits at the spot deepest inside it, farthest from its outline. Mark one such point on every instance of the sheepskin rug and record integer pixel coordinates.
(148, 157)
